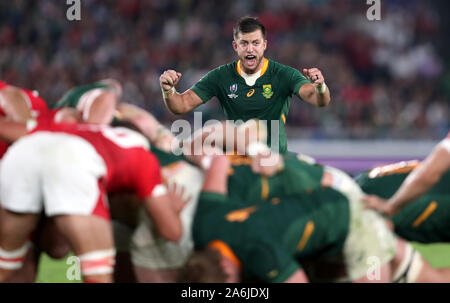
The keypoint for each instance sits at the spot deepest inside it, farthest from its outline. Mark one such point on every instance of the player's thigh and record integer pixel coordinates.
(15, 229)
(86, 233)
(409, 266)
(20, 175)
(51, 240)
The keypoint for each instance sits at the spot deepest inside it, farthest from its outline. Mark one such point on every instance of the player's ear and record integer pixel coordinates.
(265, 44)
(234, 45)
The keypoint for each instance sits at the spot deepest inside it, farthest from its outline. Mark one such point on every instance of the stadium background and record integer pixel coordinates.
(390, 79)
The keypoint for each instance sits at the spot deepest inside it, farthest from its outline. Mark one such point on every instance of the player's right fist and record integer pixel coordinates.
(169, 79)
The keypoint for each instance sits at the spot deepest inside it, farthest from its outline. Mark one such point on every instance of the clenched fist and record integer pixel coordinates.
(314, 75)
(169, 79)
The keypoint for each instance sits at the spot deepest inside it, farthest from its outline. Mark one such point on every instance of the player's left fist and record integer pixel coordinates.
(314, 75)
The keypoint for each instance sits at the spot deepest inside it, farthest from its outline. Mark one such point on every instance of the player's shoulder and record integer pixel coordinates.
(278, 67)
(227, 68)
(281, 71)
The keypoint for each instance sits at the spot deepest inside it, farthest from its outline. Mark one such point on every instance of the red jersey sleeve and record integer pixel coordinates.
(3, 84)
(148, 175)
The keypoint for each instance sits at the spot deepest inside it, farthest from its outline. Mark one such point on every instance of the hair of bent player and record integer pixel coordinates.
(247, 25)
(202, 267)
(125, 123)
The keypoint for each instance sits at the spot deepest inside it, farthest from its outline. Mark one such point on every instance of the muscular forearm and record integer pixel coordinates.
(316, 92)
(10, 131)
(166, 220)
(422, 178)
(101, 110)
(323, 99)
(216, 176)
(315, 96)
(411, 189)
(175, 104)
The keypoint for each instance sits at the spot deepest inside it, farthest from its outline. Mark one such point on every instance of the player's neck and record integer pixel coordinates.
(250, 79)
(256, 71)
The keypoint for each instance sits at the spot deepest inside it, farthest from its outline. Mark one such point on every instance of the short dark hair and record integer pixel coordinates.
(248, 25)
(118, 122)
(202, 267)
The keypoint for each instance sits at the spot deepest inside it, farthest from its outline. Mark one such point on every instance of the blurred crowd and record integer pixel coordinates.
(388, 78)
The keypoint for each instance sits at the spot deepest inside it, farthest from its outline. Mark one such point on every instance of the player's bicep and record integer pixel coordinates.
(296, 82)
(307, 93)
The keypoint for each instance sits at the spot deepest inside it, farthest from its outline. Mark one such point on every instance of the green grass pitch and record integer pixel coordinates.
(54, 271)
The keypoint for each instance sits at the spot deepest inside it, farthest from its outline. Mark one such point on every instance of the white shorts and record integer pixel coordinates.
(148, 248)
(368, 237)
(55, 171)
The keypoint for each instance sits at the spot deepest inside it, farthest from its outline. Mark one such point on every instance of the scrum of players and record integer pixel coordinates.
(97, 177)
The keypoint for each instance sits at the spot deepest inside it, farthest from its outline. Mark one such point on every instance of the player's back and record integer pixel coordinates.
(36, 104)
(124, 152)
(296, 227)
(426, 219)
(297, 176)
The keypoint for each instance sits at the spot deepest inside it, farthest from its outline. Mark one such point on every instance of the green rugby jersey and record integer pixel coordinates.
(166, 158)
(426, 219)
(73, 96)
(384, 181)
(270, 239)
(297, 177)
(268, 99)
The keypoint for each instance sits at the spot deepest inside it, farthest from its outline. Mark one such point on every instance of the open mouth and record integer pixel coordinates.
(250, 59)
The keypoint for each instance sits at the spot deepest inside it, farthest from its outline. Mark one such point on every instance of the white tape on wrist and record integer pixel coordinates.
(322, 88)
(168, 93)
